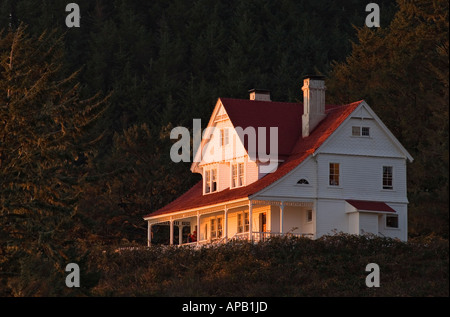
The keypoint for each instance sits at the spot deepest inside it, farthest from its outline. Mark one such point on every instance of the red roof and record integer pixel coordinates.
(365, 205)
(287, 116)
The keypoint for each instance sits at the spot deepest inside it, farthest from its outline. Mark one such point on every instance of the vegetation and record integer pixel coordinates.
(330, 266)
(85, 115)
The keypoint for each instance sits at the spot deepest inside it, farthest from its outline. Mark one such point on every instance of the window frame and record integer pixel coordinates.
(386, 222)
(216, 227)
(334, 175)
(308, 213)
(389, 179)
(242, 222)
(358, 131)
(237, 175)
(210, 183)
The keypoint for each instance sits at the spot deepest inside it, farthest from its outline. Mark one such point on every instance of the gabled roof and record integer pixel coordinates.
(300, 149)
(286, 116)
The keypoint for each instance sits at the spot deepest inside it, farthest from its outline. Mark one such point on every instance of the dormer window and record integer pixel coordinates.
(237, 175)
(210, 181)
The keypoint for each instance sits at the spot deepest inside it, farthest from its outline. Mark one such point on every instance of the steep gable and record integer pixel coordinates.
(363, 133)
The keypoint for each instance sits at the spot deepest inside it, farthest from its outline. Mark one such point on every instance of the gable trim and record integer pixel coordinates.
(384, 128)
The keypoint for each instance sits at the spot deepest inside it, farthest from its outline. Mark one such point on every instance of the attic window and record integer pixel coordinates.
(303, 181)
(360, 131)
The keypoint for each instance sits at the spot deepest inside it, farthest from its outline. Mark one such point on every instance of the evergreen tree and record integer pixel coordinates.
(402, 71)
(43, 140)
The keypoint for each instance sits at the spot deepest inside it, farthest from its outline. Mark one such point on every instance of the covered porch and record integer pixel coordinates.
(247, 219)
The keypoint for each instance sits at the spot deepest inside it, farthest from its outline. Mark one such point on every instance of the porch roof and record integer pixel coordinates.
(364, 205)
(303, 148)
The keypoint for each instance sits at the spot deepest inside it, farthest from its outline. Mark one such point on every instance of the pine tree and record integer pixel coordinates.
(402, 71)
(43, 140)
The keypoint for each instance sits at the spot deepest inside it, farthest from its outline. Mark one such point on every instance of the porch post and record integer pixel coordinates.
(226, 223)
(149, 233)
(180, 234)
(198, 226)
(281, 216)
(250, 220)
(171, 231)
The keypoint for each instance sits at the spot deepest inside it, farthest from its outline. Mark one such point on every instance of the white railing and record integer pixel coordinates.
(262, 236)
(245, 236)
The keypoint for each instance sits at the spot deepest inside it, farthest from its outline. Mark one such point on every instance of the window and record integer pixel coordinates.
(213, 180)
(303, 181)
(334, 174)
(237, 175)
(241, 174)
(356, 131)
(365, 131)
(387, 177)
(391, 221)
(360, 131)
(210, 181)
(308, 215)
(207, 182)
(242, 222)
(224, 139)
(216, 227)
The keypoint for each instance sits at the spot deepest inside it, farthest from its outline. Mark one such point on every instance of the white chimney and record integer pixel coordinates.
(259, 94)
(313, 103)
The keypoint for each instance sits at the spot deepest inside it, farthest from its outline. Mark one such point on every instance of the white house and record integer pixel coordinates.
(276, 168)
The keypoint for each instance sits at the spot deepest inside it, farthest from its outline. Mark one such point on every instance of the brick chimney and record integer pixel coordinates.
(259, 94)
(313, 102)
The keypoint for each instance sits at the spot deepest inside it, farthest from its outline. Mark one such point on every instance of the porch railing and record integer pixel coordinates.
(261, 236)
(245, 236)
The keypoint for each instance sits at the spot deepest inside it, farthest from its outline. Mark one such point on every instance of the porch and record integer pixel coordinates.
(252, 220)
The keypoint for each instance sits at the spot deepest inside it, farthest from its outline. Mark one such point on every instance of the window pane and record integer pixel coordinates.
(219, 227)
(392, 221)
(387, 177)
(234, 175)
(334, 174)
(356, 131)
(226, 136)
(246, 227)
(214, 180)
(241, 174)
(365, 131)
(240, 227)
(213, 228)
(207, 182)
(309, 216)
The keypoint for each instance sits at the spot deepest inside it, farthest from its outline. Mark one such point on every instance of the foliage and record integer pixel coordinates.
(402, 72)
(44, 133)
(330, 266)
